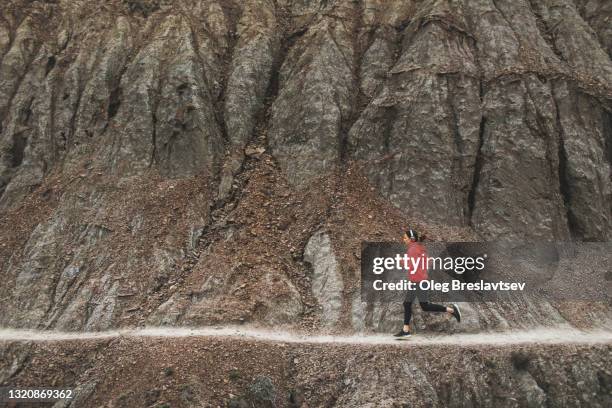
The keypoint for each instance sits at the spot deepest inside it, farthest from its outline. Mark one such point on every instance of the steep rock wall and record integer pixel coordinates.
(168, 161)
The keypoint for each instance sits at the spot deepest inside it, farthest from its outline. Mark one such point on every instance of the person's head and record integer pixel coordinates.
(410, 236)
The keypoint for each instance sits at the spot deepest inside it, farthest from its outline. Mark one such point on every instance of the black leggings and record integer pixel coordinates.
(426, 306)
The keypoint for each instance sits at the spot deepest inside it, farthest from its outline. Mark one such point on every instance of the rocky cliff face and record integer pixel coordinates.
(200, 162)
(153, 372)
(176, 162)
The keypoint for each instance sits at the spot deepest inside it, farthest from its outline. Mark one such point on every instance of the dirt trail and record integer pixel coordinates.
(534, 336)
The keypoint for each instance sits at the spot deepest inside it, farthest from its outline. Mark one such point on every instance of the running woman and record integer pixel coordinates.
(416, 250)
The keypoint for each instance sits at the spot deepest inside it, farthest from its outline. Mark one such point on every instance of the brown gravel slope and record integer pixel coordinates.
(188, 372)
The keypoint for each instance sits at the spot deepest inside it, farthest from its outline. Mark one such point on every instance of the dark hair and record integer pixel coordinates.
(412, 234)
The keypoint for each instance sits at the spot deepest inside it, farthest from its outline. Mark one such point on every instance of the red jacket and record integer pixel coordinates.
(416, 253)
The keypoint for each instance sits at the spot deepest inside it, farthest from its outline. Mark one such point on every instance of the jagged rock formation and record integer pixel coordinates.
(327, 285)
(177, 372)
(473, 110)
(197, 162)
(168, 162)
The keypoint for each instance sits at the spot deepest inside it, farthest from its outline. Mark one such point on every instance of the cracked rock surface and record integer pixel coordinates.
(206, 162)
(219, 162)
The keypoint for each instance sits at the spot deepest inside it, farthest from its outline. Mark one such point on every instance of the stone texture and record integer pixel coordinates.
(597, 13)
(331, 375)
(327, 286)
(419, 133)
(123, 127)
(256, 50)
(314, 99)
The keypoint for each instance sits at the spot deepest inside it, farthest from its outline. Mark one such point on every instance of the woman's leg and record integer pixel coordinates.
(407, 314)
(433, 307)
